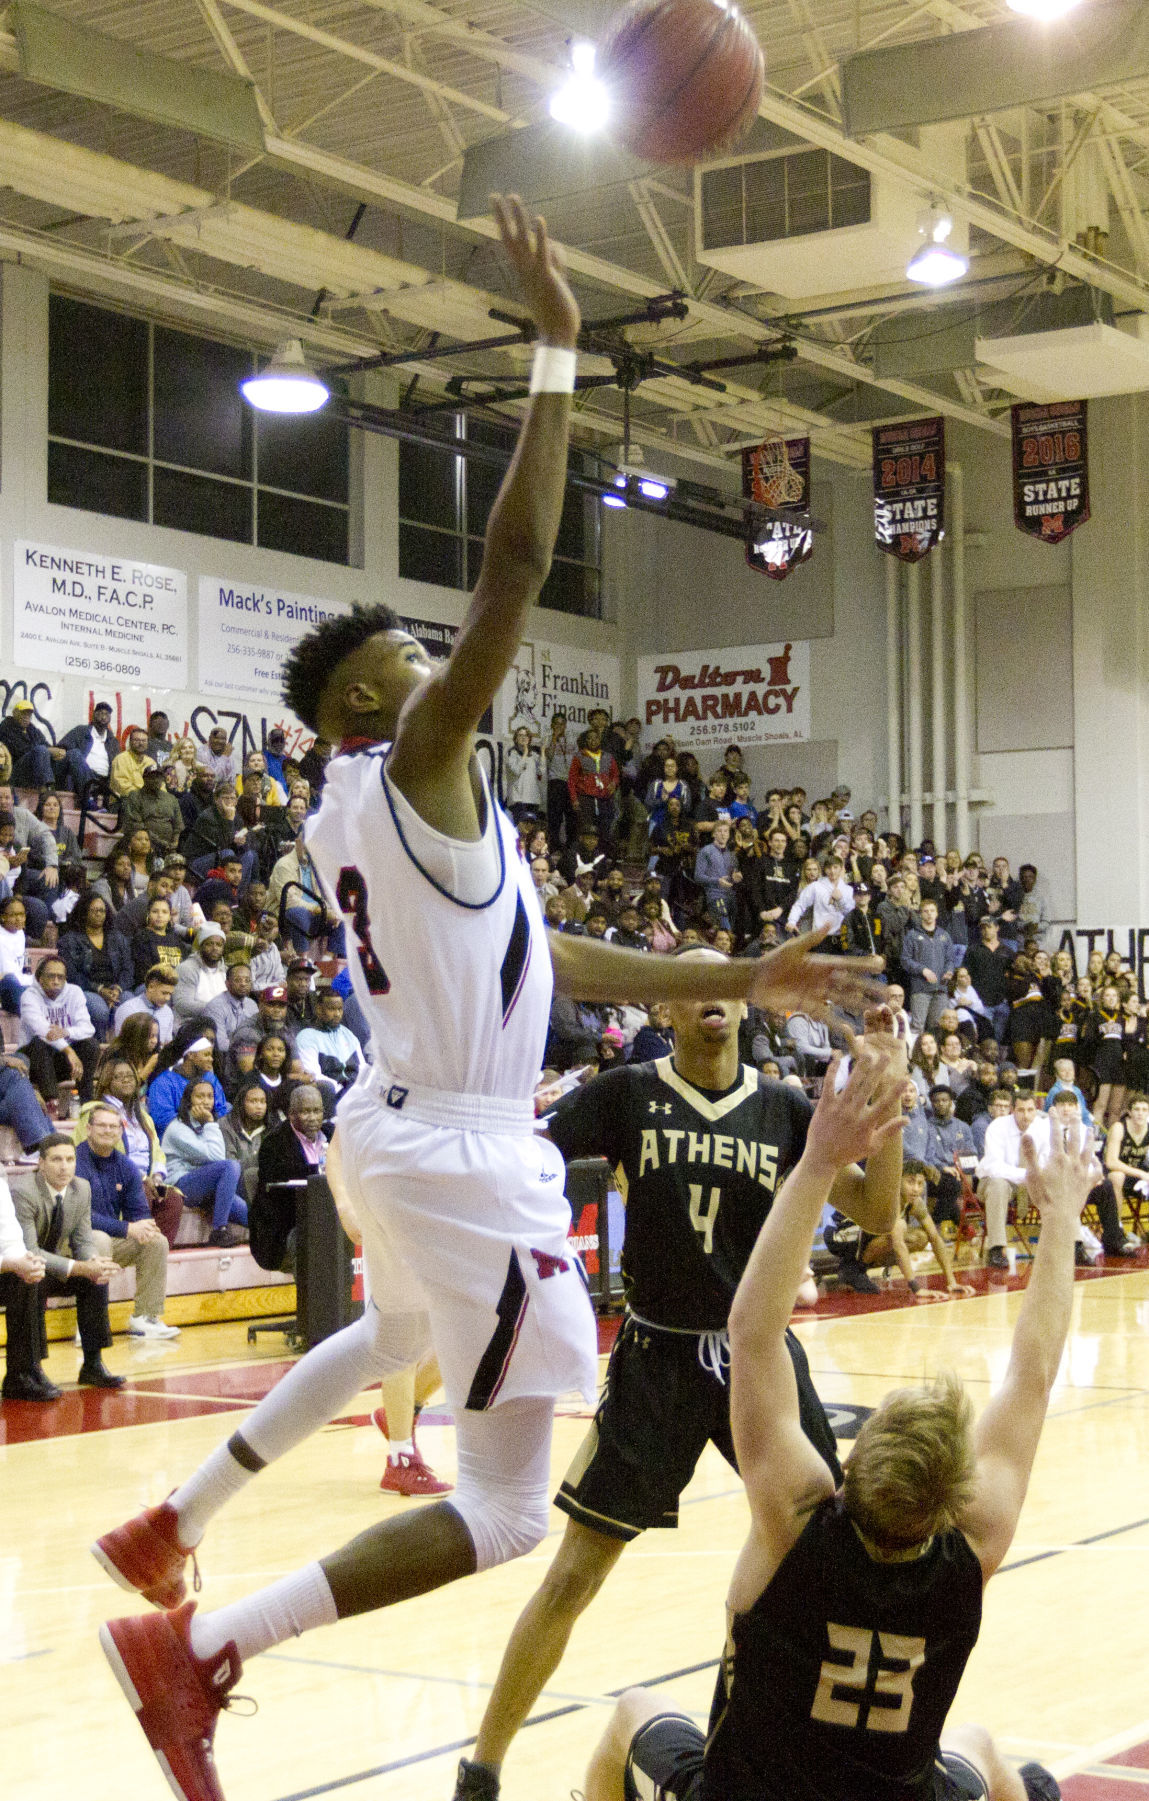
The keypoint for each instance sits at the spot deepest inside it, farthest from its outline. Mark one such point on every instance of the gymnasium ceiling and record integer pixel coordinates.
(333, 214)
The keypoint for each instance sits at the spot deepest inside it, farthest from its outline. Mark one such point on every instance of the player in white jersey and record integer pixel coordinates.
(461, 1203)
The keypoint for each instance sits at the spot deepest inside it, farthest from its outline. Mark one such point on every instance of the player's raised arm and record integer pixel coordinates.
(788, 979)
(783, 1473)
(436, 725)
(872, 1197)
(1007, 1434)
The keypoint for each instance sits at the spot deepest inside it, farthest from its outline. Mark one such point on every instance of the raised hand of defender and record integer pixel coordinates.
(1060, 1190)
(539, 266)
(791, 979)
(851, 1125)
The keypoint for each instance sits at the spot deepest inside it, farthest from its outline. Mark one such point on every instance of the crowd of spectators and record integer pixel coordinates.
(172, 1016)
(647, 850)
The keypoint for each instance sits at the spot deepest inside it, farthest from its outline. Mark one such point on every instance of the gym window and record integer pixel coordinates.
(444, 504)
(148, 423)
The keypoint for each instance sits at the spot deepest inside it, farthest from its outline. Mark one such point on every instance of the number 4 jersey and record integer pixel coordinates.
(446, 943)
(700, 1169)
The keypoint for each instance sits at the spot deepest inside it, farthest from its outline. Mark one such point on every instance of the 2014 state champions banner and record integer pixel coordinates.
(1050, 468)
(777, 474)
(909, 487)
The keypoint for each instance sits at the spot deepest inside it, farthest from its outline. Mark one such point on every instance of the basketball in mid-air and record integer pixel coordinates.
(684, 78)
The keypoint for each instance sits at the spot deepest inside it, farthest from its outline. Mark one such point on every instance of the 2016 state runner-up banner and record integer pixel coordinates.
(1050, 469)
(102, 618)
(754, 694)
(777, 474)
(909, 487)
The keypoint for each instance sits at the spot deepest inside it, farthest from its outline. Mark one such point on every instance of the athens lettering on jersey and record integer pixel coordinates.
(699, 1172)
(758, 1161)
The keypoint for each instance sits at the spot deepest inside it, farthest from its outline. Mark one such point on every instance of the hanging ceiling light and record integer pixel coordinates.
(936, 263)
(1044, 10)
(582, 101)
(288, 384)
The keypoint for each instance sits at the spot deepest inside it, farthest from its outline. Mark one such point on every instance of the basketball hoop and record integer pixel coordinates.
(776, 482)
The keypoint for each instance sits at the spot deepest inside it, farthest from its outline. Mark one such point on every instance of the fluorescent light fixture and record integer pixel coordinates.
(582, 101)
(614, 500)
(288, 384)
(936, 263)
(1044, 10)
(653, 490)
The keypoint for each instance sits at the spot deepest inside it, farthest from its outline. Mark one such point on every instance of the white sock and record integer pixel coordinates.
(288, 1608)
(401, 1448)
(206, 1490)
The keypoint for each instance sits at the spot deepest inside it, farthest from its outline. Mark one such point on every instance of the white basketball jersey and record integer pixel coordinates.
(457, 992)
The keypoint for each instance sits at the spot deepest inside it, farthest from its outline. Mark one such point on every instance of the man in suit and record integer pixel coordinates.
(20, 1272)
(295, 1150)
(54, 1208)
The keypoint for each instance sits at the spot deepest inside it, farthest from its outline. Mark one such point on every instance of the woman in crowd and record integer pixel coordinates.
(1133, 1042)
(749, 860)
(244, 1127)
(1108, 1054)
(117, 1085)
(926, 1065)
(97, 958)
(182, 762)
(138, 1043)
(155, 942)
(666, 786)
(142, 853)
(116, 886)
(191, 1053)
(523, 776)
(51, 813)
(198, 1162)
(272, 1068)
(14, 973)
(1033, 995)
(959, 1070)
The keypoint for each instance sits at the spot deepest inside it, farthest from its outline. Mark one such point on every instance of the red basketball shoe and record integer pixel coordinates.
(409, 1475)
(145, 1555)
(176, 1696)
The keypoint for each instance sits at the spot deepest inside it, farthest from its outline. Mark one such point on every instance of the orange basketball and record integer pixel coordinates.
(684, 78)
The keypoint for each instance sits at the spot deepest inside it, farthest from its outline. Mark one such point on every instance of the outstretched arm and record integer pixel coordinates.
(782, 981)
(784, 1475)
(1007, 1434)
(436, 725)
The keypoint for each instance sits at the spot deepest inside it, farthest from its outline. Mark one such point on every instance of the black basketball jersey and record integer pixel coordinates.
(837, 1682)
(700, 1170)
(1134, 1154)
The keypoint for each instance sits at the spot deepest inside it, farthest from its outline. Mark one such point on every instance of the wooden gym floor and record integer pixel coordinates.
(379, 1708)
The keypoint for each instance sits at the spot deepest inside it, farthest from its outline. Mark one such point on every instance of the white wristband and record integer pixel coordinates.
(553, 370)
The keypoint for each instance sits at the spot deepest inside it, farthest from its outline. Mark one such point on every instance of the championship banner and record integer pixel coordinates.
(1050, 469)
(777, 474)
(909, 487)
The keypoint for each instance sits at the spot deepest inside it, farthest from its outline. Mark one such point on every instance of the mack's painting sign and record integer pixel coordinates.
(755, 694)
(777, 474)
(1050, 469)
(909, 487)
(247, 630)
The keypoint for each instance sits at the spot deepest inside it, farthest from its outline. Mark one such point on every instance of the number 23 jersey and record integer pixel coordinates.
(701, 1170)
(446, 945)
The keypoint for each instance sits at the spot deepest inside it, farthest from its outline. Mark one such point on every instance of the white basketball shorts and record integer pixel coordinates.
(472, 1226)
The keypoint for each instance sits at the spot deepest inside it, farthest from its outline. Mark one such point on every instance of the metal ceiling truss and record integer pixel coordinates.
(397, 302)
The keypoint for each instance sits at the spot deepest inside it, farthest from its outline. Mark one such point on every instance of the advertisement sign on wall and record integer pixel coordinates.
(109, 618)
(756, 694)
(555, 678)
(245, 633)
